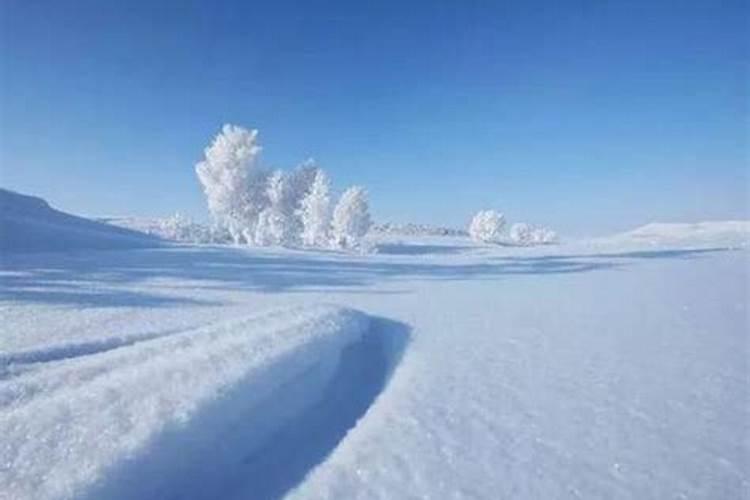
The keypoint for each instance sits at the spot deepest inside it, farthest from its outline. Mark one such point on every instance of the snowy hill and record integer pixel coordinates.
(29, 224)
(730, 234)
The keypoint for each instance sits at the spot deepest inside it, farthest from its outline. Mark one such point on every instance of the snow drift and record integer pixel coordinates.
(200, 413)
(29, 224)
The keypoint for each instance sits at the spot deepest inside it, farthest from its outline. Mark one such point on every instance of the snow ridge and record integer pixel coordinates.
(136, 421)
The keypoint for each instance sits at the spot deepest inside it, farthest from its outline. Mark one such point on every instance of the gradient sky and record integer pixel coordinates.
(588, 116)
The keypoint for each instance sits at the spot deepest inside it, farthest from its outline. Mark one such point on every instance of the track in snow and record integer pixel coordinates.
(67, 350)
(240, 409)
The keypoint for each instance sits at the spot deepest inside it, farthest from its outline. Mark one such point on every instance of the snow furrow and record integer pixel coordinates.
(190, 409)
(24, 361)
(69, 350)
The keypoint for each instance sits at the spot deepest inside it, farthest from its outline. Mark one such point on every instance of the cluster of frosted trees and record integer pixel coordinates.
(489, 226)
(181, 228)
(261, 207)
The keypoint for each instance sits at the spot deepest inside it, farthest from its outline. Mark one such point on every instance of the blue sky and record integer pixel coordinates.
(584, 115)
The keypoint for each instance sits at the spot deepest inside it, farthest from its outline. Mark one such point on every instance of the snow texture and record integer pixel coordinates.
(187, 413)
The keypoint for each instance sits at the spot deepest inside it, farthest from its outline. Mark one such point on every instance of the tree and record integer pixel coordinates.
(299, 183)
(315, 212)
(521, 233)
(351, 218)
(544, 236)
(181, 228)
(233, 181)
(526, 234)
(262, 208)
(301, 179)
(274, 222)
(487, 226)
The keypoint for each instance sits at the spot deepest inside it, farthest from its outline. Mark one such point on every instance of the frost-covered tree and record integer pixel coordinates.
(233, 181)
(521, 233)
(271, 209)
(218, 234)
(315, 212)
(299, 182)
(526, 234)
(275, 225)
(181, 228)
(544, 236)
(351, 218)
(487, 226)
(301, 179)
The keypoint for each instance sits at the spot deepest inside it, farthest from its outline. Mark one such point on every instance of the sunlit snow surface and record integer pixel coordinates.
(441, 369)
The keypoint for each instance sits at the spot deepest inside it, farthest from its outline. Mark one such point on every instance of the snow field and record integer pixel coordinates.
(602, 368)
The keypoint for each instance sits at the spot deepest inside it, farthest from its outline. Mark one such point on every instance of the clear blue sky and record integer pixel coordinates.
(588, 116)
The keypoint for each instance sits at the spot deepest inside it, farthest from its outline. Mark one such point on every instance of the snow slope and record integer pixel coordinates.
(29, 224)
(147, 225)
(725, 234)
(609, 370)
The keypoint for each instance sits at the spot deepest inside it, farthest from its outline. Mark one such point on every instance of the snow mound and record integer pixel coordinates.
(199, 414)
(729, 234)
(29, 224)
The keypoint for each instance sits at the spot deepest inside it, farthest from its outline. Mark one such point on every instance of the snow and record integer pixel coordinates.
(713, 233)
(29, 224)
(604, 368)
(140, 421)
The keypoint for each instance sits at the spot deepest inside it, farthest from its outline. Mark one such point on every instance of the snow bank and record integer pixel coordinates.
(187, 413)
(29, 224)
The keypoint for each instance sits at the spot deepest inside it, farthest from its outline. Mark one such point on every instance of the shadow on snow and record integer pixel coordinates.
(102, 278)
(227, 451)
